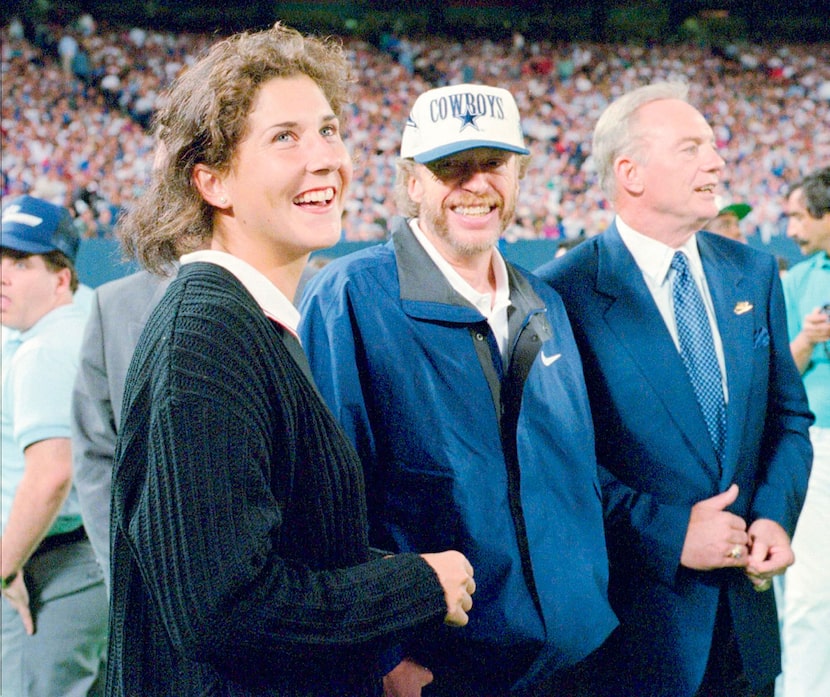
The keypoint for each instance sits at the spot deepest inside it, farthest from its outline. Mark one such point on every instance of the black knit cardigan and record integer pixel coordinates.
(240, 560)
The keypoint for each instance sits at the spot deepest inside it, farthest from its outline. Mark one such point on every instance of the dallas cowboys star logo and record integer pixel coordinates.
(468, 119)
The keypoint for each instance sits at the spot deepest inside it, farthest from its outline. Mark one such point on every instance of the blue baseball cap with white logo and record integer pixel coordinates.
(451, 119)
(34, 226)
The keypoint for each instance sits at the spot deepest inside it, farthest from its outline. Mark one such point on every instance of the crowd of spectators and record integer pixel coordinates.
(77, 102)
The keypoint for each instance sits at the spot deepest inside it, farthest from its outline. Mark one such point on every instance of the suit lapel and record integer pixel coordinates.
(654, 353)
(729, 289)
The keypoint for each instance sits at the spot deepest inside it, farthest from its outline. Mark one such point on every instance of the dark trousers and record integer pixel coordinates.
(724, 676)
(576, 681)
(582, 680)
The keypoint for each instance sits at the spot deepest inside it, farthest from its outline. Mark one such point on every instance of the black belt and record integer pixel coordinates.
(60, 540)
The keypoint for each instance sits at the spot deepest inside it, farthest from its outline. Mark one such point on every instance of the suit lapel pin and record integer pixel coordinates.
(742, 307)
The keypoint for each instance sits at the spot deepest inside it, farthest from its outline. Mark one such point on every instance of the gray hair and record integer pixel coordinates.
(616, 132)
(405, 169)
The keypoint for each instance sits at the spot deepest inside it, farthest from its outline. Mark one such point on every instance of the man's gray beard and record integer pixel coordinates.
(437, 224)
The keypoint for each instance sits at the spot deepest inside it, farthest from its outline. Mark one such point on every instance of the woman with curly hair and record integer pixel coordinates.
(240, 561)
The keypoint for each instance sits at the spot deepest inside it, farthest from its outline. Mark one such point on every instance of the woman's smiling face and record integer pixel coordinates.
(289, 175)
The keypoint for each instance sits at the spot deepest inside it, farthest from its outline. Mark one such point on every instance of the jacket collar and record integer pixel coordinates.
(426, 293)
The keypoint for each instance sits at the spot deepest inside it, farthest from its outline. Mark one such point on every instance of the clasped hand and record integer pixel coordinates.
(718, 539)
(455, 574)
(816, 327)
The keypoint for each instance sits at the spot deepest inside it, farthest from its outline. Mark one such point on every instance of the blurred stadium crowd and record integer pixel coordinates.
(77, 102)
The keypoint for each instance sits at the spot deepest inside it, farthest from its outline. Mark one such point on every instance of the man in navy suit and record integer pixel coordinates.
(698, 517)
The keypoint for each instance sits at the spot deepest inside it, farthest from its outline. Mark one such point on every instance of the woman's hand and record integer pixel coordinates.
(456, 577)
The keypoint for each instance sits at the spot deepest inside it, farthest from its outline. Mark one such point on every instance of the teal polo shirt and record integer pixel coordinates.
(38, 369)
(807, 286)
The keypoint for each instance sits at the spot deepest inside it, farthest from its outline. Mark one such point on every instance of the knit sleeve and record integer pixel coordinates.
(208, 516)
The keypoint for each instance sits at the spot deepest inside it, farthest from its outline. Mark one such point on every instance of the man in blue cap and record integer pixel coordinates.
(458, 379)
(54, 607)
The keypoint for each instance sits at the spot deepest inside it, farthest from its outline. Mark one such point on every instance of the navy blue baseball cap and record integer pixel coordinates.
(34, 226)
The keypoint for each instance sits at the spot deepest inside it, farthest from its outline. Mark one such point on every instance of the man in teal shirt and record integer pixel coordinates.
(54, 604)
(804, 592)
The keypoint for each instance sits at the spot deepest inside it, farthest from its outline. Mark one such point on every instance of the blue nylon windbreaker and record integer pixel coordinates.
(461, 452)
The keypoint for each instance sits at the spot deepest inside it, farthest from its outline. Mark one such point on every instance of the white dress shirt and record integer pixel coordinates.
(654, 260)
(270, 298)
(492, 306)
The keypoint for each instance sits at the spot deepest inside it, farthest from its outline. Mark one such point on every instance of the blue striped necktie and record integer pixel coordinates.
(697, 349)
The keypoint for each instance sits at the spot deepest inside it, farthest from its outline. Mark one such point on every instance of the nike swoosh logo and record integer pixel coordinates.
(549, 360)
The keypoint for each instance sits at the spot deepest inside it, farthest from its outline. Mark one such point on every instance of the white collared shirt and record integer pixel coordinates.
(270, 298)
(492, 307)
(654, 260)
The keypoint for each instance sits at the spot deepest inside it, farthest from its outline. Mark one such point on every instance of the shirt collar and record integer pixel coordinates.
(654, 257)
(485, 302)
(270, 299)
(56, 314)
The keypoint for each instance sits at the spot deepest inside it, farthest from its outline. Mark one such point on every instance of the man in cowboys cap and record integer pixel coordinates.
(54, 607)
(457, 377)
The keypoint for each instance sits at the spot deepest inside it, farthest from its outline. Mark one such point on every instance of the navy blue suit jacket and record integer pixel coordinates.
(656, 458)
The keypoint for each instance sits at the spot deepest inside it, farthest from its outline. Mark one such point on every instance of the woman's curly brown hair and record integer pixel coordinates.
(203, 119)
